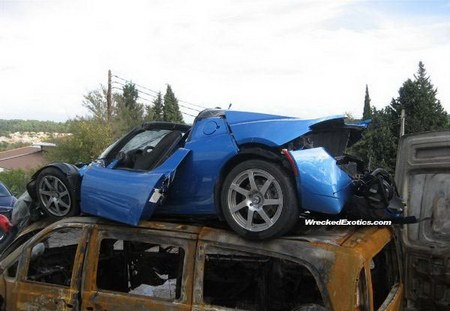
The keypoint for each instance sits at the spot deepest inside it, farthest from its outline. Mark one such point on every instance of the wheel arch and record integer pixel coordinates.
(249, 152)
(70, 170)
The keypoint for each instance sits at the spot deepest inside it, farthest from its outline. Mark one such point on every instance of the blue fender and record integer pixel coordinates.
(323, 187)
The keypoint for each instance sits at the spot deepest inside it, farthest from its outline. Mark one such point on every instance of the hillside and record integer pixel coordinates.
(12, 126)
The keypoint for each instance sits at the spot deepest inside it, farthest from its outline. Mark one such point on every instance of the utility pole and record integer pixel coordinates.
(109, 98)
(402, 123)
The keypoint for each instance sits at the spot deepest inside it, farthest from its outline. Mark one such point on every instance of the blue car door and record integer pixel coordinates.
(125, 195)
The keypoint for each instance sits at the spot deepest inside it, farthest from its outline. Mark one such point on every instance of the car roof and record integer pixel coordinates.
(344, 236)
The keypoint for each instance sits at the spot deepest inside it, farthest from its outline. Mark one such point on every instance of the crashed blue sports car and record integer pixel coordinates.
(258, 172)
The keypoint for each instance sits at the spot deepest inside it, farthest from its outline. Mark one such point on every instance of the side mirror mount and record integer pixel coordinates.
(37, 250)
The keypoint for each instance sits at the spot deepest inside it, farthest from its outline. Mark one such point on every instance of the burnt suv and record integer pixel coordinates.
(87, 263)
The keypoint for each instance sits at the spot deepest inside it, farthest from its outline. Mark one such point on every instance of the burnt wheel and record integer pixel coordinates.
(55, 194)
(258, 200)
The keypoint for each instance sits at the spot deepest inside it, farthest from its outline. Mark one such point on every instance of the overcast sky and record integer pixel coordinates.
(299, 58)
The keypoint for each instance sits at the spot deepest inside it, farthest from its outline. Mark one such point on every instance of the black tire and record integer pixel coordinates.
(55, 194)
(245, 196)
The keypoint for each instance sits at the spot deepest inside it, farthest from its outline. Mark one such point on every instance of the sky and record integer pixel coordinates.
(299, 58)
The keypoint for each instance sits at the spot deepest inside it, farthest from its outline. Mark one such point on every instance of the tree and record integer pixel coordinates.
(89, 138)
(95, 102)
(423, 113)
(423, 110)
(378, 146)
(382, 141)
(130, 113)
(158, 108)
(171, 110)
(367, 113)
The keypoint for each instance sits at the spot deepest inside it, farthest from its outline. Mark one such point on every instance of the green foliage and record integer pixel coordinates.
(89, 138)
(171, 110)
(7, 146)
(378, 147)
(157, 109)
(129, 112)
(16, 180)
(95, 102)
(423, 110)
(367, 113)
(423, 113)
(91, 135)
(12, 126)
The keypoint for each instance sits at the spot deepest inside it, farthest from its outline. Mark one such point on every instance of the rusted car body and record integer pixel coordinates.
(423, 176)
(86, 263)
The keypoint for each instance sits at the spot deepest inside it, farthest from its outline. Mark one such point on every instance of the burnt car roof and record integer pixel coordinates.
(332, 235)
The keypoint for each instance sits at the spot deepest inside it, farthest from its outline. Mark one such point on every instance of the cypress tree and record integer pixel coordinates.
(171, 110)
(157, 109)
(367, 113)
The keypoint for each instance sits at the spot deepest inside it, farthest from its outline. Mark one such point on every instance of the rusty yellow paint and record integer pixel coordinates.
(353, 254)
(349, 252)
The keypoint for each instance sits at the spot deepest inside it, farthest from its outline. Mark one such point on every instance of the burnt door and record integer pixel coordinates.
(48, 275)
(138, 269)
(423, 178)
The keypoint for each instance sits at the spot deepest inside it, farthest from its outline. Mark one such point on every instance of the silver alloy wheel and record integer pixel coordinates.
(54, 195)
(255, 200)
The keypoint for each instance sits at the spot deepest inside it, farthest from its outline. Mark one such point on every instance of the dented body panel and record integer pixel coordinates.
(323, 186)
(334, 258)
(119, 187)
(132, 203)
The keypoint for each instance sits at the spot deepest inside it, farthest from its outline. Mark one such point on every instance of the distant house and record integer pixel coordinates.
(25, 158)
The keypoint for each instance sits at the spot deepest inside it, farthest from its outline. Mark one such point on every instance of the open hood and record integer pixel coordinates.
(423, 177)
(274, 131)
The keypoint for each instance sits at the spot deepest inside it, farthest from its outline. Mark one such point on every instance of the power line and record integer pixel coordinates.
(153, 91)
(154, 97)
(144, 87)
(192, 104)
(140, 91)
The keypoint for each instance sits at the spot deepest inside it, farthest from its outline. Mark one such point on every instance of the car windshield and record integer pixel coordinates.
(145, 139)
(3, 191)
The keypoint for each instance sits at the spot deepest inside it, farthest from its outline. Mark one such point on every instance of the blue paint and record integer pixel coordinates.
(192, 172)
(269, 130)
(193, 189)
(323, 186)
(123, 195)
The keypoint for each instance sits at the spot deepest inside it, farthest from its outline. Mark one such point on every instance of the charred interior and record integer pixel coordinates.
(140, 268)
(254, 282)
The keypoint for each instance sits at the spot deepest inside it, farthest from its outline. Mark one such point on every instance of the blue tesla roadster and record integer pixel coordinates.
(258, 172)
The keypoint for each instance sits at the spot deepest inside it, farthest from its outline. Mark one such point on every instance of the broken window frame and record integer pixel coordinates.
(175, 239)
(77, 260)
(40, 295)
(392, 265)
(202, 250)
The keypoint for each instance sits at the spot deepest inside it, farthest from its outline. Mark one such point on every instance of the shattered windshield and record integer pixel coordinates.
(145, 139)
